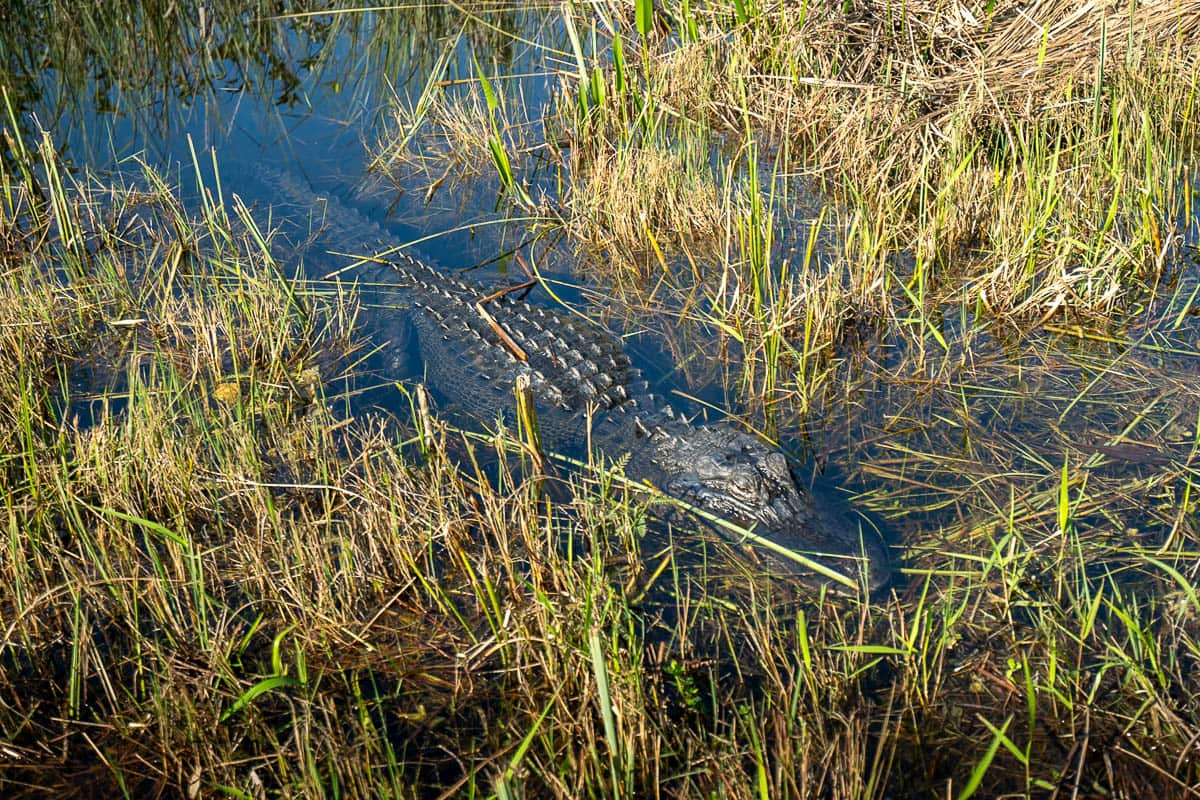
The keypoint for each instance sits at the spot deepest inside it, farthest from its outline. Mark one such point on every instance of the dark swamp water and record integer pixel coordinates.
(939, 447)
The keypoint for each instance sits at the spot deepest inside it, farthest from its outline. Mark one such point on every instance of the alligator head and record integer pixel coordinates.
(739, 478)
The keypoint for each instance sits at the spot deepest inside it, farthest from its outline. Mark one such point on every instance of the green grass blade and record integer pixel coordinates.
(977, 774)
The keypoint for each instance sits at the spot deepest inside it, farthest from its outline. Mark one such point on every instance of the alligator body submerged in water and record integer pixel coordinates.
(587, 392)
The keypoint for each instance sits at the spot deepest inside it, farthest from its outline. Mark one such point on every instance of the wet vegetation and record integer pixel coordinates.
(946, 254)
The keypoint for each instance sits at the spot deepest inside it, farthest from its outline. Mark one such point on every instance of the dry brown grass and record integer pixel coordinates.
(447, 138)
(626, 204)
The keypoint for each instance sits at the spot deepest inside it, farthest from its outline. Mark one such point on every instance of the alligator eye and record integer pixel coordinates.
(777, 463)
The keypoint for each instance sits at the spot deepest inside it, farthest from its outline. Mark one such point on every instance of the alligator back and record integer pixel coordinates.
(470, 352)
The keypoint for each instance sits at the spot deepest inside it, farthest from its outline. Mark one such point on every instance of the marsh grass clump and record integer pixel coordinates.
(987, 147)
(651, 185)
(445, 135)
(630, 203)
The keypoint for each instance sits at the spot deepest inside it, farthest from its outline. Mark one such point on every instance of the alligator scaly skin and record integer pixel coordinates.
(576, 371)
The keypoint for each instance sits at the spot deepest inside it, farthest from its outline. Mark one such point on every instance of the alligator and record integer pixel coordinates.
(472, 343)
